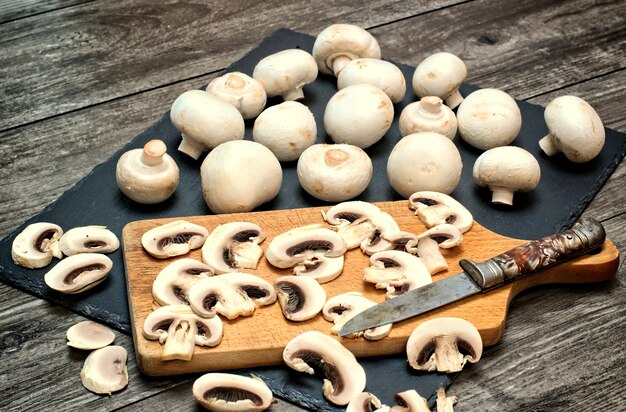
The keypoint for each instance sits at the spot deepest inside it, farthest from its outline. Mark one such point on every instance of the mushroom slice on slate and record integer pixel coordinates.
(233, 246)
(301, 298)
(35, 246)
(229, 392)
(96, 239)
(344, 377)
(444, 345)
(89, 335)
(104, 370)
(434, 208)
(410, 401)
(171, 286)
(78, 273)
(428, 243)
(366, 402)
(396, 271)
(445, 403)
(179, 330)
(173, 239)
(339, 309)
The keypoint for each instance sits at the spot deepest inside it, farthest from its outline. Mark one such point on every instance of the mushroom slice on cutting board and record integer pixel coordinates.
(344, 377)
(78, 273)
(366, 402)
(35, 246)
(428, 243)
(233, 246)
(339, 309)
(410, 401)
(229, 392)
(89, 335)
(300, 297)
(396, 271)
(179, 330)
(96, 239)
(104, 370)
(173, 239)
(434, 208)
(171, 286)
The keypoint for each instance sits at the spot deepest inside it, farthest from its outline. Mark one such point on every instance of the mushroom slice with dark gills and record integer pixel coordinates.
(410, 401)
(96, 239)
(179, 330)
(396, 271)
(171, 286)
(339, 309)
(225, 392)
(233, 246)
(443, 236)
(173, 239)
(344, 378)
(35, 246)
(434, 208)
(78, 273)
(366, 402)
(312, 251)
(104, 370)
(444, 345)
(301, 298)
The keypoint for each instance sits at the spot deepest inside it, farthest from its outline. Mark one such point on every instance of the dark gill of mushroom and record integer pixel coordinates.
(295, 300)
(177, 239)
(309, 245)
(71, 277)
(321, 368)
(232, 395)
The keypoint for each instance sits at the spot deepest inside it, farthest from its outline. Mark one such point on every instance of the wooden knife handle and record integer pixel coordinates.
(586, 235)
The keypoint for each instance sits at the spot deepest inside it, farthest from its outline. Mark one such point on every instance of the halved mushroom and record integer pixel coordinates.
(396, 271)
(443, 236)
(410, 401)
(89, 335)
(173, 239)
(104, 370)
(230, 392)
(179, 330)
(301, 298)
(366, 402)
(444, 344)
(97, 239)
(344, 377)
(445, 403)
(434, 208)
(35, 246)
(78, 273)
(171, 286)
(341, 308)
(233, 246)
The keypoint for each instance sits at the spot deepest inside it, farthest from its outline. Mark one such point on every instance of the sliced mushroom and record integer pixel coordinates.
(443, 236)
(301, 298)
(78, 273)
(444, 344)
(179, 330)
(233, 246)
(445, 403)
(366, 402)
(396, 271)
(344, 377)
(97, 239)
(410, 401)
(434, 208)
(171, 286)
(104, 370)
(89, 335)
(229, 392)
(35, 246)
(173, 239)
(341, 308)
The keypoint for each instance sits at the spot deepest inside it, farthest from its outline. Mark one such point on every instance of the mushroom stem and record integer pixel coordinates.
(501, 195)
(180, 342)
(548, 146)
(190, 147)
(431, 105)
(447, 355)
(296, 94)
(428, 250)
(153, 152)
(339, 63)
(454, 99)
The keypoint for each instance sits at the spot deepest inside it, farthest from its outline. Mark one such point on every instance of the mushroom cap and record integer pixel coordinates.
(339, 43)
(344, 377)
(396, 271)
(506, 170)
(489, 118)
(285, 73)
(379, 73)
(242, 91)
(240, 175)
(171, 286)
(225, 392)
(287, 129)
(35, 246)
(428, 115)
(341, 308)
(434, 208)
(173, 239)
(424, 161)
(205, 121)
(233, 246)
(334, 172)
(104, 370)
(359, 115)
(575, 129)
(89, 335)
(300, 297)
(78, 273)
(296, 245)
(366, 402)
(84, 239)
(440, 74)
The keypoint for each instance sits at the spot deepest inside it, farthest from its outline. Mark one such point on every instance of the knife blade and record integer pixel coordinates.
(585, 235)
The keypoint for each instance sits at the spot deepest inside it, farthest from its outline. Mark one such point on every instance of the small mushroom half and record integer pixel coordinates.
(78, 273)
(97, 239)
(300, 297)
(172, 284)
(35, 246)
(104, 370)
(89, 335)
(366, 402)
(341, 308)
(443, 236)
(444, 345)
(434, 208)
(344, 377)
(179, 330)
(173, 239)
(396, 271)
(233, 246)
(225, 392)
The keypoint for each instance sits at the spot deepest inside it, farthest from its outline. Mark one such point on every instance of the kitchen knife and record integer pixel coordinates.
(586, 235)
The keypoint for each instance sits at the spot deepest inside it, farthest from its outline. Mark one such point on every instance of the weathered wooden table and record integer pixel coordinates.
(79, 79)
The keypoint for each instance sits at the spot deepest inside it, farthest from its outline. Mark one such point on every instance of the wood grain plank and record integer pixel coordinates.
(19, 9)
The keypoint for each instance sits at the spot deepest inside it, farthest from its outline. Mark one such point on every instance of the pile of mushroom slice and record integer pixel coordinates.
(407, 401)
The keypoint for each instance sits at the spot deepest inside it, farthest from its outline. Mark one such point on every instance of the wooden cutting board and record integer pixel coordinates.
(258, 340)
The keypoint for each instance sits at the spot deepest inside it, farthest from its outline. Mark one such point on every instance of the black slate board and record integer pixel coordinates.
(563, 193)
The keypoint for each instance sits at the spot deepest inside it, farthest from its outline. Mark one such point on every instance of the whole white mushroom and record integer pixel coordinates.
(285, 73)
(428, 115)
(440, 74)
(240, 90)
(380, 73)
